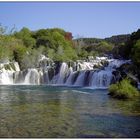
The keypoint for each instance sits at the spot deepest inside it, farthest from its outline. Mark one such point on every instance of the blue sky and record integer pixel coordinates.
(86, 19)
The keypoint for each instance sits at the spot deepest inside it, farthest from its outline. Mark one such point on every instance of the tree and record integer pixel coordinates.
(19, 53)
(26, 36)
(2, 29)
(128, 48)
(51, 53)
(136, 52)
(7, 45)
(104, 47)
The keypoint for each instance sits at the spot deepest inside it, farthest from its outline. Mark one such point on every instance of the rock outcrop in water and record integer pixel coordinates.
(127, 70)
(94, 72)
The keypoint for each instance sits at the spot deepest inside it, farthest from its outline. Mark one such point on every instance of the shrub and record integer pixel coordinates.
(6, 47)
(136, 52)
(123, 90)
(19, 53)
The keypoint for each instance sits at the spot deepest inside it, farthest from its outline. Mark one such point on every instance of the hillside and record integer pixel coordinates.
(118, 39)
(98, 46)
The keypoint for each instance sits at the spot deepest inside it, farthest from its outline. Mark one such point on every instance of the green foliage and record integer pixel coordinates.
(7, 44)
(27, 57)
(26, 36)
(51, 38)
(59, 30)
(123, 90)
(83, 54)
(4, 53)
(94, 53)
(118, 39)
(31, 57)
(59, 46)
(70, 54)
(88, 41)
(104, 47)
(25, 46)
(59, 40)
(19, 54)
(92, 46)
(51, 53)
(43, 38)
(136, 52)
(56, 45)
(65, 54)
(128, 50)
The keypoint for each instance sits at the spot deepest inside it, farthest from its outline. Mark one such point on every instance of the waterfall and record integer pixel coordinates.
(19, 77)
(69, 80)
(46, 77)
(6, 78)
(85, 66)
(94, 73)
(101, 79)
(80, 80)
(7, 72)
(63, 73)
(16, 66)
(32, 77)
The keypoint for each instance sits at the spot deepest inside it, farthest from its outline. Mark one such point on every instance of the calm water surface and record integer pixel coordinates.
(49, 111)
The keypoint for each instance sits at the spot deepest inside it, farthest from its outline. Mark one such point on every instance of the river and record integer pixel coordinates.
(65, 112)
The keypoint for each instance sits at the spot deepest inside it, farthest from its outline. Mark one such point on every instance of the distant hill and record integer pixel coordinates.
(101, 46)
(85, 42)
(118, 39)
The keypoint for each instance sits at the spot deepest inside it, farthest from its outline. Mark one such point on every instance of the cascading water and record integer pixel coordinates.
(69, 79)
(7, 71)
(44, 77)
(94, 73)
(63, 73)
(101, 79)
(6, 78)
(80, 79)
(32, 77)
